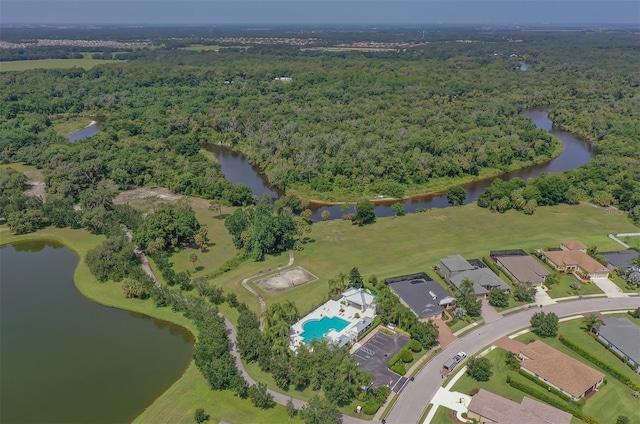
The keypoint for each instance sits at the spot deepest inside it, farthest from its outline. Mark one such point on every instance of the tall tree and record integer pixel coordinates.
(456, 195)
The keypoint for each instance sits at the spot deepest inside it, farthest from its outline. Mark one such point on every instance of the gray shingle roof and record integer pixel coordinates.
(423, 297)
(455, 263)
(620, 259)
(483, 280)
(623, 334)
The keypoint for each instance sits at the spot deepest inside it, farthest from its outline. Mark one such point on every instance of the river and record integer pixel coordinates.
(67, 359)
(237, 169)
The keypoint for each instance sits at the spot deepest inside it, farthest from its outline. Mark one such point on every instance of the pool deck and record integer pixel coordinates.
(330, 309)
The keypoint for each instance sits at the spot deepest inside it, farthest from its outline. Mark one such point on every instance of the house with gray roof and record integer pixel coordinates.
(623, 337)
(456, 269)
(425, 297)
(454, 264)
(622, 259)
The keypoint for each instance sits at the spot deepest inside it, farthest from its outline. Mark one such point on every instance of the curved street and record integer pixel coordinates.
(415, 398)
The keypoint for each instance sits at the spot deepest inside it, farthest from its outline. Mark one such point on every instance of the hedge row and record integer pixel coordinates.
(229, 265)
(497, 269)
(631, 384)
(547, 387)
(552, 400)
(372, 405)
(597, 361)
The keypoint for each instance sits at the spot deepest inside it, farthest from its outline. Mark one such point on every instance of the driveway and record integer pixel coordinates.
(488, 312)
(609, 287)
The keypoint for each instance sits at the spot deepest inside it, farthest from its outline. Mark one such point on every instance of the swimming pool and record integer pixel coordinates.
(316, 329)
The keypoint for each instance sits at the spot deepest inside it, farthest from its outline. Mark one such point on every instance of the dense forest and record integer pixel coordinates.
(348, 124)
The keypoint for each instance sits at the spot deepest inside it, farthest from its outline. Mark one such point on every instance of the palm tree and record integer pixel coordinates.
(466, 288)
(349, 369)
(290, 311)
(592, 322)
(274, 314)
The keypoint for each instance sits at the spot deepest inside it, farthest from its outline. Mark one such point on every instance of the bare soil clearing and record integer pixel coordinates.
(285, 280)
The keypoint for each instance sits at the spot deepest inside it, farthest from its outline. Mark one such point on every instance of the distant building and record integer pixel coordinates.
(623, 337)
(425, 297)
(489, 408)
(456, 269)
(285, 79)
(559, 371)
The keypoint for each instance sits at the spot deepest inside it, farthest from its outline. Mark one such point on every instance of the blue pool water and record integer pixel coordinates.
(316, 329)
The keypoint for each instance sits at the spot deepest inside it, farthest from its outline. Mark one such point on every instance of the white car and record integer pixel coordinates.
(460, 356)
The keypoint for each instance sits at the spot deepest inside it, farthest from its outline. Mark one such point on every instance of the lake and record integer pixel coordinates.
(237, 169)
(68, 359)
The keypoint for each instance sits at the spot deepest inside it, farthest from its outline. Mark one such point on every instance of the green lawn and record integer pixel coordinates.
(633, 242)
(443, 416)
(178, 404)
(23, 65)
(614, 398)
(563, 289)
(626, 287)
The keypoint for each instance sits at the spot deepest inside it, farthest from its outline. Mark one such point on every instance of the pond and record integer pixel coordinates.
(236, 168)
(89, 131)
(68, 359)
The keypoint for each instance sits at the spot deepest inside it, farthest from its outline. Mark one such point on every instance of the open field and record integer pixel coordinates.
(23, 65)
(401, 245)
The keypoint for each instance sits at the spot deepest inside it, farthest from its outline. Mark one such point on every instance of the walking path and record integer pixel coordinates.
(263, 304)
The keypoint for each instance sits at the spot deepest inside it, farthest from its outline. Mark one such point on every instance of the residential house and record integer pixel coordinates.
(524, 268)
(575, 261)
(489, 408)
(573, 245)
(623, 337)
(622, 259)
(456, 270)
(559, 371)
(425, 297)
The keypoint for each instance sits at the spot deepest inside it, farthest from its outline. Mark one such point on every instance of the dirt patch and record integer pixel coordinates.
(36, 181)
(285, 280)
(147, 198)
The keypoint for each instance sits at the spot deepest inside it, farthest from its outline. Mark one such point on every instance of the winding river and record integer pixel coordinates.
(237, 169)
(66, 359)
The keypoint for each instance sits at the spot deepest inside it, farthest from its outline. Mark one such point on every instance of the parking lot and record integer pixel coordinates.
(374, 355)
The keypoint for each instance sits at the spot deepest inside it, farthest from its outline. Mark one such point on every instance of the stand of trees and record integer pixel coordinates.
(332, 133)
(259, 230)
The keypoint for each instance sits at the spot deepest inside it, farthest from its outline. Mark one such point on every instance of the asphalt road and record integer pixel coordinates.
(414, 399)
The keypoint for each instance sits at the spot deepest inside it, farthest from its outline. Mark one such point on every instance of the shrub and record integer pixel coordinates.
(550, 399)
(370, 408)
(547, 387)
(406, 356)
(415, 346)
(399, 368)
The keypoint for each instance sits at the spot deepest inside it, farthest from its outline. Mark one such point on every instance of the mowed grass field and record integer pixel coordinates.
(23, 65)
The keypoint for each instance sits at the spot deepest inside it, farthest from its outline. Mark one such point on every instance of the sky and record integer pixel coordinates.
(153, 12)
